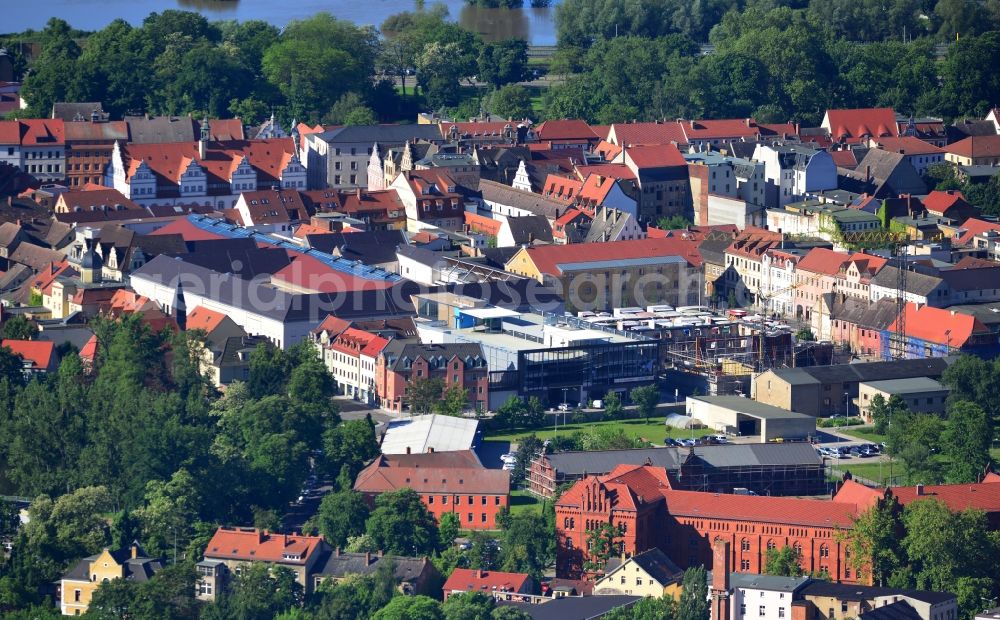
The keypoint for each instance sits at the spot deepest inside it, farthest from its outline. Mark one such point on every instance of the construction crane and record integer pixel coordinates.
(898, 243)
(765, 300)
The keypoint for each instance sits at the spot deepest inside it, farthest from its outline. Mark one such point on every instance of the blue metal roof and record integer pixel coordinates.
(357, 269)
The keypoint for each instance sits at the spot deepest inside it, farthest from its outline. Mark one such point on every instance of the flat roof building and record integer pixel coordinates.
(736, 415)
(430, 433)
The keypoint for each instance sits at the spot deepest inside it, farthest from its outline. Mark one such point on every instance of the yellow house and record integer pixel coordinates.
(77, 587)
(650, 573)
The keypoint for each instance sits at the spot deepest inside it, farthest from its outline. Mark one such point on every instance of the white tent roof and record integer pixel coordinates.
(677, 420)
(419, 434)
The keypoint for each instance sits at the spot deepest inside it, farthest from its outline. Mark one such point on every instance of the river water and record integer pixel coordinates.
(537, 26)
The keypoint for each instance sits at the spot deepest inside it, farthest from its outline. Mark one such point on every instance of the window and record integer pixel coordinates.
(762, 611)
(430, 499)
(743, 609)
(482, 517)
(781, 612)
(469, 517)
(569, 542)
(744, 565)
(444, 499)
(745, 544)
(76, 595)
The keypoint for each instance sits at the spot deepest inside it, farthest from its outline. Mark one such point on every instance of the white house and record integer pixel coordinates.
(763, 597)
(204, 172)
(793, 170)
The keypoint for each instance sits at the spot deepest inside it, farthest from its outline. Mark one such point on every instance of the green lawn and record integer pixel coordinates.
(864, 433)
(522, 502)
(876, 472)
(654, 431)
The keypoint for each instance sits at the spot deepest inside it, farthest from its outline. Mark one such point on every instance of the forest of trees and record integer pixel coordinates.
(776, 60)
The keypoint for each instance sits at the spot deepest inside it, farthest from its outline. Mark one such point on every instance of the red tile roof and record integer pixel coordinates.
(940, 326)
(468, 580)
(483, 224)
(940, 201)
(607, 150)
(908, 145)
(720, 128)
(976, 146)
(561, 189)
(824, 261)
(647, 133)
(89, 351)
(88, 199)
(844, 158)
(125, 301)
(655, 156)
(852, 125)
(972, 227)
(33, 132)
(786, 510)
(168, 161)
(251, 544)
(204, 319)
(983, 496)
(380, 477)
(694, 233)
(38, 352)
(572, 129)
(548, 258)
(852, 492)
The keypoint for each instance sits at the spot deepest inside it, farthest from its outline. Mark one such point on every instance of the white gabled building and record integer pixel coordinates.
(205, 172)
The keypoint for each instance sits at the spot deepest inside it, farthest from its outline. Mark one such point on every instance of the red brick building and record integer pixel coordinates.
(685, 524)
(447, 482)
(456, 364)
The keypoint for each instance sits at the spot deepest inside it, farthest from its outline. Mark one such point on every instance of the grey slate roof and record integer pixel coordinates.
(529, 201)
(852, 592)
(531, 228)
(658, 565)
(140, 568)
(771, 583)
(868, 371)
(884, 173)
(734, 455)
(916, 283)
(340, 564)
(418, 254)
(574, 607)
(373, 247)
(245, 263)
(469, 352)
(900, 610)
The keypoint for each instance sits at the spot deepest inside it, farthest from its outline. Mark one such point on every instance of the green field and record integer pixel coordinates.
(877, 472)
(653, 431)
(522, 502)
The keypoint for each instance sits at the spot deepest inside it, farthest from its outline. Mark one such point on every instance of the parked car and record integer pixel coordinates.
(841, 453)
(670, 441)
(719, 439)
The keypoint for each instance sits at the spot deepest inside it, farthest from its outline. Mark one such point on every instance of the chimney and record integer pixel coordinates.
(479, 574)
(407, 449)
(358, 193)
(337, 552)
(368, 558)
(135, 550)
(920, 490)
(430, 449)
(868, 174)
(720, 579)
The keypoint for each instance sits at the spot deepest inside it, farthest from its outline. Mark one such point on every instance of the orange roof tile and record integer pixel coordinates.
(38, 352)
(168, 161)
(972, 227)
(571, 129)
(204, 319)
(655, 156)
(976, 146)
(251, 544)
(482, 224)
(468, 580)
(983, 496)
(787, 510)
(854, 124)
(940, 201)
(647, 133)
(939, 325)
(824, 261)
